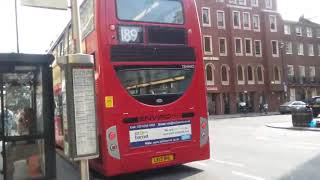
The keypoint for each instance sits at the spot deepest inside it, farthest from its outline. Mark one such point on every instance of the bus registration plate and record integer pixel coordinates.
(162, 159)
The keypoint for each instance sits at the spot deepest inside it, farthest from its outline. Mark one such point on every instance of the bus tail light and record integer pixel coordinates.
(112, 142)
(204, 131)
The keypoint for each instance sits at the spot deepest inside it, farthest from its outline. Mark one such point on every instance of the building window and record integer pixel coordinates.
(277, 74)
(310, 50)
(248, 47)
(269, 4)
(242, 2)
(275, 48)
(221, 20)
(223, 46)
(298, 31)
(312, 73)
(309, 32)
(240, 74)
(207, 45)
(209, 74)
(225, 75)
(246, 21)
(260, 74)
(273, 23)
(220, 0)
(238, 46)
(290, 71)
(233, 1)
(236, 20)
(206, 17)
(257, 47)
(288, 47)
(318, 33)
(287, 29)
(250, 75)
(300, 49)
(256, 23)
(302, 74)
(255, 3)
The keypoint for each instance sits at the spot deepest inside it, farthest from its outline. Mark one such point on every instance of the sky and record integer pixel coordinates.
(38, 28)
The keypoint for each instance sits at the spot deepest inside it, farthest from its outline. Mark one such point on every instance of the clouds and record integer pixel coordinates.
(293, 9)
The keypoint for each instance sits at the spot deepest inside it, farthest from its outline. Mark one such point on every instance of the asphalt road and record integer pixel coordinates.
(244, 148)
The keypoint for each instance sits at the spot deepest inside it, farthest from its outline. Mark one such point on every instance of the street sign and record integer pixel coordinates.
(48, 4)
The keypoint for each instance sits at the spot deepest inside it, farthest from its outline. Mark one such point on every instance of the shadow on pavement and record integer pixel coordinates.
(168, 173)
(306, 171)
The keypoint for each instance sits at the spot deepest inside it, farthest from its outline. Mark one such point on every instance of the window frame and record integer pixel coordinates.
(300, 48)
(258, 18)
(262, 74)
(212, 74)
(279, 74)
(209, 17)
(239, 19)
(256, 4)
(225, 46)
(309, 32)
(268, 6)
(309, 48)
(277, 48)
(225, 83)
(235, 46)
(249, 20)
(241, 82)
(289, 67)
(224, 19)
(288, 28)
(204, 45)
(275, 23)
(252, 74)
(298, 33)
(260, 44)
(245, 46)
(287, 49)
(244, 3)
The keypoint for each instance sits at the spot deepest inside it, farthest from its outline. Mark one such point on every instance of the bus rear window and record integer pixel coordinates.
(158, 11)
(156, 86)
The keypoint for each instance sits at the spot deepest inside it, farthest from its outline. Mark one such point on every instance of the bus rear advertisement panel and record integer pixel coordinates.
(160, 133)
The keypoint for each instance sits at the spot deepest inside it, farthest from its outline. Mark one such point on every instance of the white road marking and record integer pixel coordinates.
(227, 162)
(247, 175)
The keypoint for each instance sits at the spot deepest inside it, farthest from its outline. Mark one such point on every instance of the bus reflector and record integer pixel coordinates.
(112, 136)
(112, 142)
(203, 125)
(204, 132)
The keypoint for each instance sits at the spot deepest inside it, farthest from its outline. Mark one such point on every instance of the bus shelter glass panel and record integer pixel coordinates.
(23, 145)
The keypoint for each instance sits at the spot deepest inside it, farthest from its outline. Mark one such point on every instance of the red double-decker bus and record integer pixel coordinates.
(150, 86)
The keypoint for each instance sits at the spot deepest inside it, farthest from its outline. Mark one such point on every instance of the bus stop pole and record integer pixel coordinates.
(84, 165)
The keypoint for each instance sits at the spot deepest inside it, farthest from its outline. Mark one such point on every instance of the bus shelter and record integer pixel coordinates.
(26, 109)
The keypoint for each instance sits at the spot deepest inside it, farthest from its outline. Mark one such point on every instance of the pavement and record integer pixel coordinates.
(231, 116)
(288, 125)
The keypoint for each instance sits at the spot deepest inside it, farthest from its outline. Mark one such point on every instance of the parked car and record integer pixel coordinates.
(315, 105)
(288, 107)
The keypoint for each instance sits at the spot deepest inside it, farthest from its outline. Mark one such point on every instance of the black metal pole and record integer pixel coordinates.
(2, 134)
(17, 25)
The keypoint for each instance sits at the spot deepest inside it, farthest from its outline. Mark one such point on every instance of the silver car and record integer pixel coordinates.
(288, 107)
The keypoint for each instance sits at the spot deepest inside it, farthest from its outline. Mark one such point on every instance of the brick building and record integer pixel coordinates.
(302, 56)
(242, 54)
